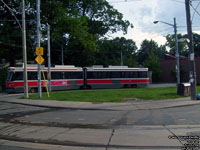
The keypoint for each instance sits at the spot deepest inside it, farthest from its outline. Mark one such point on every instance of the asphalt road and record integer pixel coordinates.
(69, 117)
(24, 116)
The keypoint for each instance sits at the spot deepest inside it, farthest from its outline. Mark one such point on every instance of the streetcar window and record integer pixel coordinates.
(10, 76)
(128, 74)
(42, 76)
(116, 74)
(18, 76)
(32, 75)
(91, 75)
(57, 75)
(104, 75)
(73, 75)
(134, 74)
(98, 75)
(142, 74)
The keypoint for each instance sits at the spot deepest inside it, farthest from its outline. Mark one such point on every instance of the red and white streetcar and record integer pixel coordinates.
(71, 77)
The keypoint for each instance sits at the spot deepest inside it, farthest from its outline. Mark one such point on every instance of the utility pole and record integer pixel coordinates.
(24, 51)
(38, 45)
(62, 56)
(176, 48)
(191, 51)
(121, 58)
(49, 57)
(177, 53)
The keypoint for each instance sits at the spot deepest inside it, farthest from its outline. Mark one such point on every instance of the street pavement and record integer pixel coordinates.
(36, 136)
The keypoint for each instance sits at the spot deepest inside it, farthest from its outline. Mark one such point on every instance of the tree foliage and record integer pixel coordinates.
(111, 50)
(80, 24)
(76, 25)
(182, 45)
(150, 47)
(154, 65)
(196, 39)
(3, 76)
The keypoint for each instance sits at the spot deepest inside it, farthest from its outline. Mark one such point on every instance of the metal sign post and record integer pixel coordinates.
(39, 59)
(49, 58)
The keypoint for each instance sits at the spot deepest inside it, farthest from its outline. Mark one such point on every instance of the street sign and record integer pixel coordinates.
(39, 59)
(39, 51)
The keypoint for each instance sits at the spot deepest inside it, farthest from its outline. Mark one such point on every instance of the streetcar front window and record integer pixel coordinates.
(18, 76)
(10, 76)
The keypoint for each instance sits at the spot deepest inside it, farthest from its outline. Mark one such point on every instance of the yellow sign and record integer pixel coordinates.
(39, 59)
(39, 51)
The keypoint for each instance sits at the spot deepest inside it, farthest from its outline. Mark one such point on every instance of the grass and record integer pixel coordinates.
(111, 95)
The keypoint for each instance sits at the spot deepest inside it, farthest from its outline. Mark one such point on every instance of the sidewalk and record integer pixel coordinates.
(121, 138)
(133, 105)
(118, 138)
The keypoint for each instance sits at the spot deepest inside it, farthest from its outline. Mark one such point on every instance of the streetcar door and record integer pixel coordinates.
(84, 77)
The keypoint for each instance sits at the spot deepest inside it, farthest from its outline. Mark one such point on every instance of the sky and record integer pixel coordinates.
(142, 14)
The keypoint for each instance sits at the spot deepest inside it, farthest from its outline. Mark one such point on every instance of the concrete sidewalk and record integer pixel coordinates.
(121, 138)
(130, 105)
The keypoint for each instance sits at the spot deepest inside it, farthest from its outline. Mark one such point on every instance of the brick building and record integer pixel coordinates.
(168, 69)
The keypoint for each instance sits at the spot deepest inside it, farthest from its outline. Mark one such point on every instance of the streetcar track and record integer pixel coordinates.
(56, 124)
(25, 113)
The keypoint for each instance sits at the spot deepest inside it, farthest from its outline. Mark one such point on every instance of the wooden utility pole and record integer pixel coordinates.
(38, 45)
(191, 51)
(24, 51)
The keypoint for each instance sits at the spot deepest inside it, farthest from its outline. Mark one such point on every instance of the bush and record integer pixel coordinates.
(3, 76)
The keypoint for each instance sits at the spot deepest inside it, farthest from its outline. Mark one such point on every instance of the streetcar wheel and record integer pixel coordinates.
(134, 85)
(32, 90)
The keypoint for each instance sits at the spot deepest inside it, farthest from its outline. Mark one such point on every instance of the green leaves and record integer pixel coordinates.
(110, 52)
(150, 47)
(182, 46)
(153, 64)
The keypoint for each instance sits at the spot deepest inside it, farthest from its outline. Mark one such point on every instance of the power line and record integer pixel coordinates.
(195, 10)
(12, 13)
(120, 1)
(125, 1)
(177, 1)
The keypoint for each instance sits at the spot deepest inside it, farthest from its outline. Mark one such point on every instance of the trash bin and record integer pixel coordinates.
(184, 89)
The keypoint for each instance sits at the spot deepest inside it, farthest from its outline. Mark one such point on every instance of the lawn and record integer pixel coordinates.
(111, 95)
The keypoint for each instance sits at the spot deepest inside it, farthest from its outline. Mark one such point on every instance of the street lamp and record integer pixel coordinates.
(176, 47)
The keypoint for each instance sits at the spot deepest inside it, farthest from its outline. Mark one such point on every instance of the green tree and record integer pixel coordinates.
(153, 64)
(10, 40)
(182, 46)
(79, 25)
(76, 25)
(111, 50)
(11, 33)
(196, 39)
(3, 75)
(150, 47)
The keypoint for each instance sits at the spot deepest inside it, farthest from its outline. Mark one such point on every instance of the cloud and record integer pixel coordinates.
(143, 13)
